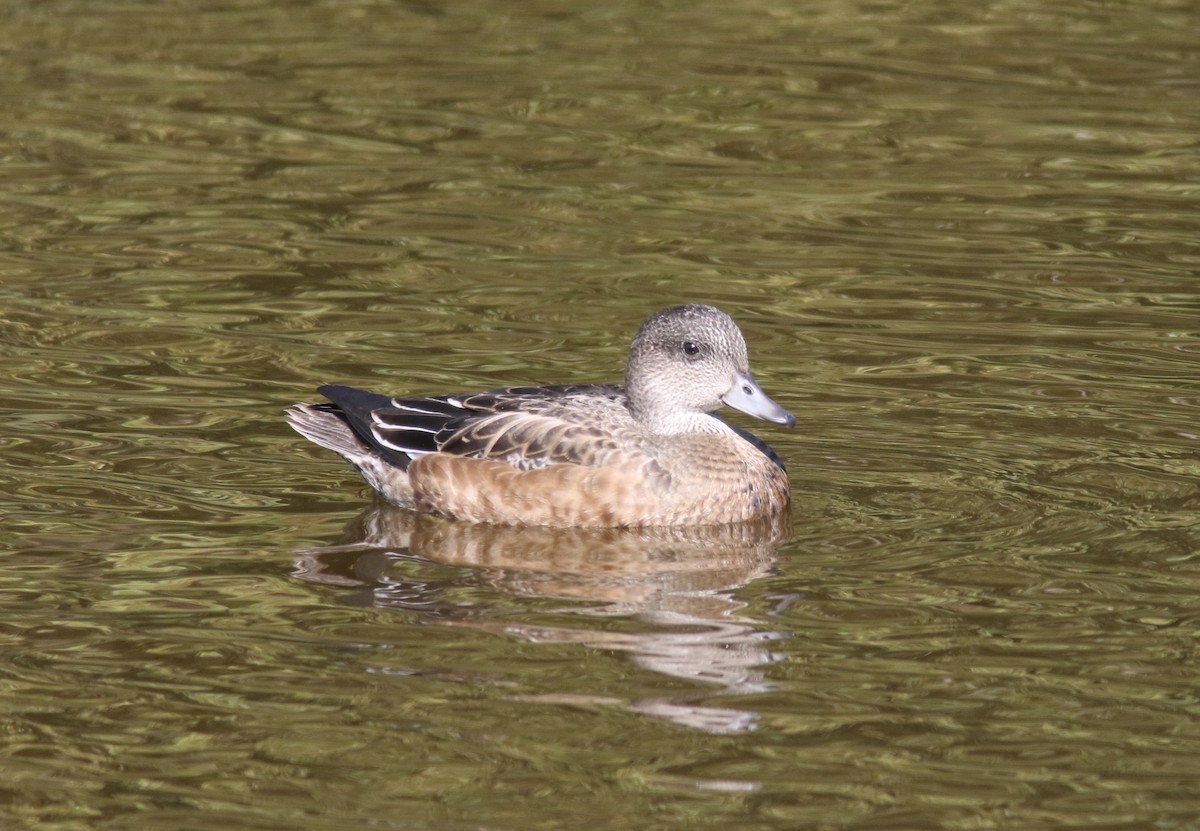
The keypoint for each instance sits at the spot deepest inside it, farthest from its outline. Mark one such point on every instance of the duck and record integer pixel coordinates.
(650, 452)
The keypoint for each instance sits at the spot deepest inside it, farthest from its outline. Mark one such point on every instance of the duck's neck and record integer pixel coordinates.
(669, 421)
(662, 414)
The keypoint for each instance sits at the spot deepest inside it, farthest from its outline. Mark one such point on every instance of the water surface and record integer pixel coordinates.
(961, 242)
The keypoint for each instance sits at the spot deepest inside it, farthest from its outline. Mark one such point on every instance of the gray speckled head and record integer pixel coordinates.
(685, 362)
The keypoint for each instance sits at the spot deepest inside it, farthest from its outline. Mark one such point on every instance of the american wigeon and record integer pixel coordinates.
(650, 453)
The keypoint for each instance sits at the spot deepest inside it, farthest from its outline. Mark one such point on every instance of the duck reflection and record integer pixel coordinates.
(678, 581)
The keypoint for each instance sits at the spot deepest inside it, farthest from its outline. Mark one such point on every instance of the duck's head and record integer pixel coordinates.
(685, 362)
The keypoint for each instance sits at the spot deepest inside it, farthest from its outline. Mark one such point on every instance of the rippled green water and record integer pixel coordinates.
(961, 239)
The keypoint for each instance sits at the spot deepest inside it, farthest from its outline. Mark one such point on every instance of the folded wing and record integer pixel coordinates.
(527, 428)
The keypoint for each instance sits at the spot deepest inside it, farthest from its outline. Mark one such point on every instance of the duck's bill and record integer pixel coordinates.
(746, 395)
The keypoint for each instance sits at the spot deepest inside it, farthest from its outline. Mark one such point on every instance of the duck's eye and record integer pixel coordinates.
(691, 348)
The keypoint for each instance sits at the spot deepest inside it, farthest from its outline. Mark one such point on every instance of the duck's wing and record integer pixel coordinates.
(524, 427)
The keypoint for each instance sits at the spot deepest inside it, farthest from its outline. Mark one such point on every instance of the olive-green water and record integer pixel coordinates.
(963, 240)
